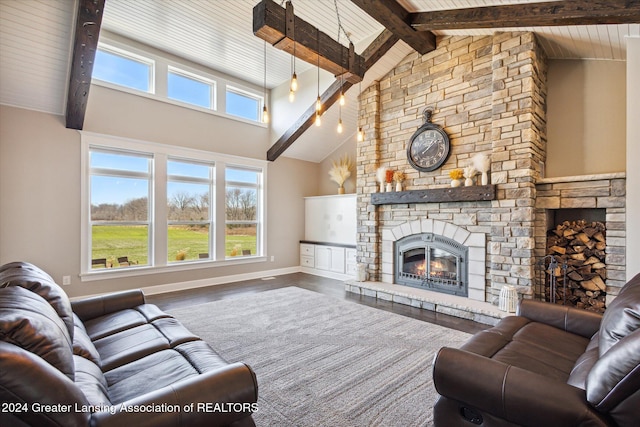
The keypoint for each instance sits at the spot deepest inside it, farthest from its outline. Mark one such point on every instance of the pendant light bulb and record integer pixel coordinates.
(340, 127)
(318, 105)
(292, 96)
(342, 98)
(318, 121)
(294, 82)
(360, 136)
(265, 115)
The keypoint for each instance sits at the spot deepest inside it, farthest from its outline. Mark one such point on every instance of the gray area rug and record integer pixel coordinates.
(321, 361)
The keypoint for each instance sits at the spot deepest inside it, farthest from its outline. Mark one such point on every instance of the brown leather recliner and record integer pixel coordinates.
(108, 361)
(549, 366)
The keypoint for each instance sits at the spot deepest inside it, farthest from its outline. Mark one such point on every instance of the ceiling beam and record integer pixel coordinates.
(285, 31)
(88, 21)
(568, 12)
(371, 54)
(395, 18)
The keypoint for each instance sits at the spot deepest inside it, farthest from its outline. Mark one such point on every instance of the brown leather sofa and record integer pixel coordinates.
(108, 361)
(549, 365)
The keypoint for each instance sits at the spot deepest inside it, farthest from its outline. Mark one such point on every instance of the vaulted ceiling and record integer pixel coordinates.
(36, 39)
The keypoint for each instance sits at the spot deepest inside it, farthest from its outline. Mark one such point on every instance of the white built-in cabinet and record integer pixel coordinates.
(338, 262)
(330, 236)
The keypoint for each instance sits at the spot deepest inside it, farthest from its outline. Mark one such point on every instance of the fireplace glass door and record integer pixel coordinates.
(432, 262)
(443, 265)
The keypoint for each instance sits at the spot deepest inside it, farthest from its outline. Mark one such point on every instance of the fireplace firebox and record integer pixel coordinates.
(432, 262)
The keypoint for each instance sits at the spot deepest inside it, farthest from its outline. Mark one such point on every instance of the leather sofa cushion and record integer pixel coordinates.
(616, 375)
(532, 346)
(112, 323)
(161, 369)
(29, 322)
(36, 280)
(147, 374)
(128, 345)
(82, 344)
(108, 324)
(91, 380)
(622, 316)
(201, 356)
(27, 378)
(584, 364)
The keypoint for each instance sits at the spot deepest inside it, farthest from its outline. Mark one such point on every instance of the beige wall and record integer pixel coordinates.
(326, 186)
(633, 154)
(40, 184)
(586, 117)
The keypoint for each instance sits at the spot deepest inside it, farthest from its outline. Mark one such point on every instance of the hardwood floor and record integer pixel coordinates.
(331, 287)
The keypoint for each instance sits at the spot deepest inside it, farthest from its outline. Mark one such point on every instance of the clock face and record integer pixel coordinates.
(428, 149)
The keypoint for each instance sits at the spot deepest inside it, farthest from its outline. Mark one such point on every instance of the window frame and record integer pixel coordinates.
(122, 173)
(159, 209)
(258, 186)
(171, 69)
(210, 221)
(132, 56)
(242, 92)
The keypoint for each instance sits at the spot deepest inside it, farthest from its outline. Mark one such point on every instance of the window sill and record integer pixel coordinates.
(115, 273)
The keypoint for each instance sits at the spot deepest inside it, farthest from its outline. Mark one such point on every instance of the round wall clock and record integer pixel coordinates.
(429, 146)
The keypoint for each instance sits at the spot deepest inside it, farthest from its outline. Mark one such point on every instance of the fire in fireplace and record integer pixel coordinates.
(431, 262)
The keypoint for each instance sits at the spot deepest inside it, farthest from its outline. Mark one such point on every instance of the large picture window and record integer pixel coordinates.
(189, 195)
(119, 223)
(242, 203)
(151, 206)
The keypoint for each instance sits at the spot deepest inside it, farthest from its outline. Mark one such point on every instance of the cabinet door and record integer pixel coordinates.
(323, 257)
(337, 260)
(351, 262)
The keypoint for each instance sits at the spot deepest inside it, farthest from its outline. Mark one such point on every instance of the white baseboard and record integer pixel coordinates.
(325, 273)
(193, 284)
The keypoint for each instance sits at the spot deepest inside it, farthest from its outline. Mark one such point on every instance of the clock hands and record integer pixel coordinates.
(428, 146)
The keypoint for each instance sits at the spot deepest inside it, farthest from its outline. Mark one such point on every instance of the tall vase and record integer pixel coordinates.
(382, 187)
(398, 186)
(485, 178)
(389, 187)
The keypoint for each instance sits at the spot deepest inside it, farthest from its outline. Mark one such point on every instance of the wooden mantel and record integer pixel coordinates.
(436, 195)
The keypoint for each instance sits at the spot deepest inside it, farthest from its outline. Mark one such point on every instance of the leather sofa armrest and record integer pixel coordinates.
(92, 307)
(570, 319)
(217, 398)
(509, 392)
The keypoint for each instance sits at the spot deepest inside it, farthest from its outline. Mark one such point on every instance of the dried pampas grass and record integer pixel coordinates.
(341, 170)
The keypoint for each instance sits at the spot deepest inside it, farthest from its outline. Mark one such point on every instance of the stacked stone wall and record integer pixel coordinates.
(488, 94)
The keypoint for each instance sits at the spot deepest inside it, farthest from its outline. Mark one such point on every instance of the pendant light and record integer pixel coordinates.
(360, 134)
(293, 86)
(318, 100)
(341, 100)
(265, 112)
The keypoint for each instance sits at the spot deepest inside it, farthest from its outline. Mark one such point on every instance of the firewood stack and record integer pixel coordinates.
(582, 245)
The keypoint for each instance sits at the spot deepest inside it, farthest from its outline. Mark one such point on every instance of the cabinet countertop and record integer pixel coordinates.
(338, 245)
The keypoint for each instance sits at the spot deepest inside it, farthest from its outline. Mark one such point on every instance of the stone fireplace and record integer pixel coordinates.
(489, 95)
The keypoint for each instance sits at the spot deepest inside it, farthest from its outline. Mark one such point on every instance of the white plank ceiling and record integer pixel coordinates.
(36, 36)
